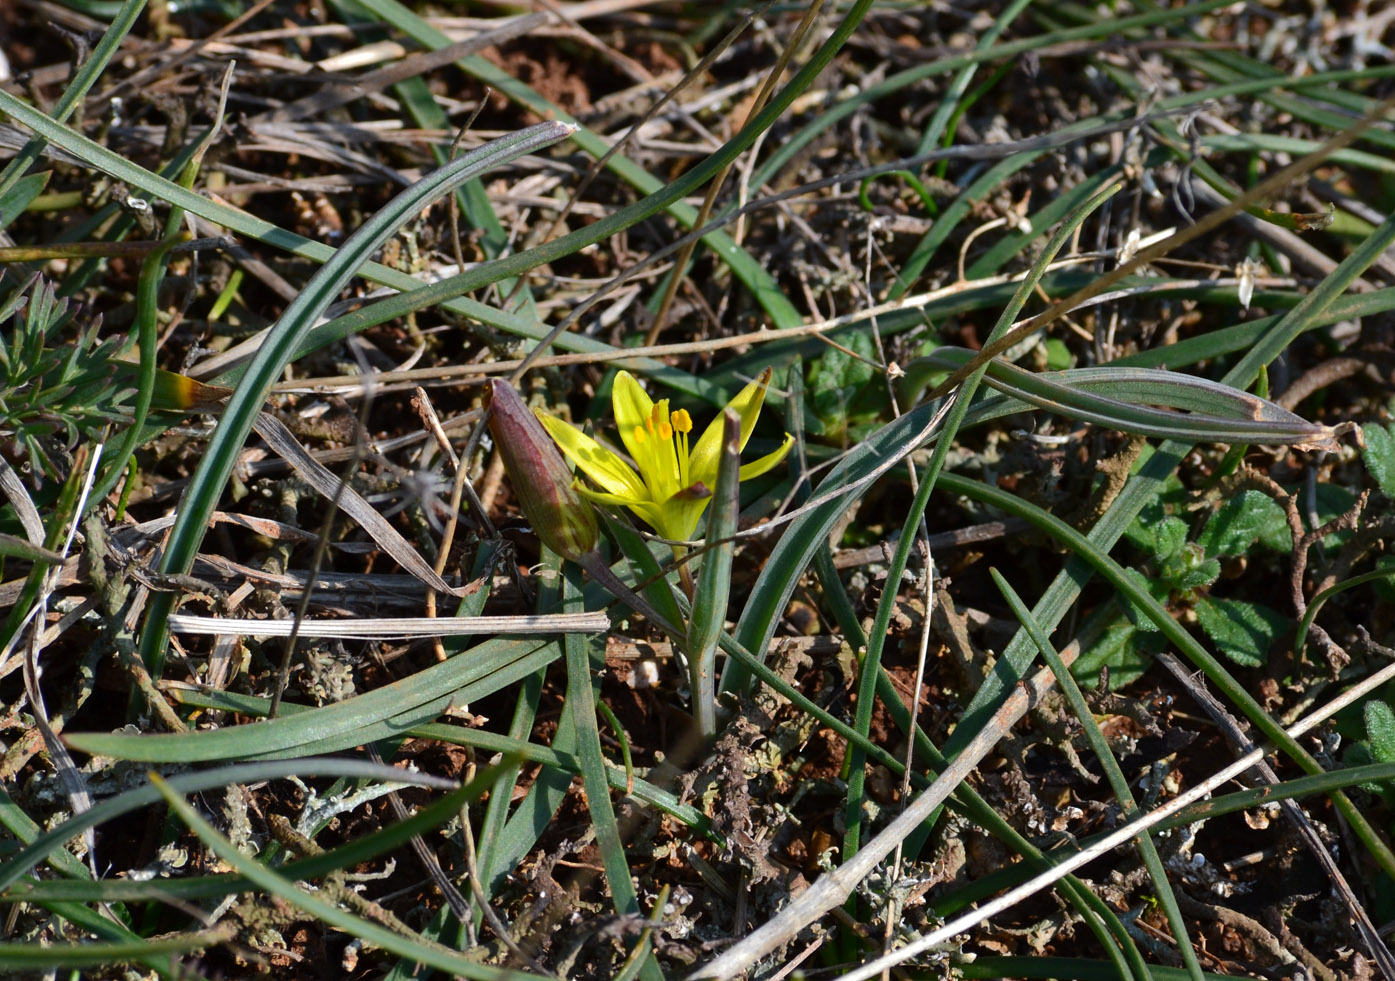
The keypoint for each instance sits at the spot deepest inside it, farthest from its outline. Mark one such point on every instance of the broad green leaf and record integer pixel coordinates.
(1242, 520)
(1157, 588)
(1124, 649)
(1244, 631)
(1167, 502)
(1380, 730)
(1190, 568)
(1380, 456)
(1169, 535)
(836, 381)
(1058, 356)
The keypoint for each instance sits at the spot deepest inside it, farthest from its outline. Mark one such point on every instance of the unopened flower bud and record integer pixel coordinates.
(562, 518)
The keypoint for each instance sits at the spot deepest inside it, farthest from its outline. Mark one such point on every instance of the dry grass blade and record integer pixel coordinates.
(391, 628)
(280, 439)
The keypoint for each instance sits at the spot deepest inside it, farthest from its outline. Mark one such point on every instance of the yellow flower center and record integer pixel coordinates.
(661, 450)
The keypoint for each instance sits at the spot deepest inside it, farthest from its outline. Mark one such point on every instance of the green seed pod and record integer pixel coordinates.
(562, 518)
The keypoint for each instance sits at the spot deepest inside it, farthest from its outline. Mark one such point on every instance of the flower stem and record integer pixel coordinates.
(685, 572)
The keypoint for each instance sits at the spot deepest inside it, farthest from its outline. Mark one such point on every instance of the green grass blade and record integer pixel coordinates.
(26, 957)
(1078, 968)
(1300, 639)
(644, 566)
(1241, 337)
(365, 718)
(147, 339)
(492, 861)
(714, 579)
(20, 195)
(581, 695)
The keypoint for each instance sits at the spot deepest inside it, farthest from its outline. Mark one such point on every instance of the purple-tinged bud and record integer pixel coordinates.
(562, 518)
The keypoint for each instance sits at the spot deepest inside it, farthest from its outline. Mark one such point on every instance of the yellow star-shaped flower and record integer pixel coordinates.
(674, 481)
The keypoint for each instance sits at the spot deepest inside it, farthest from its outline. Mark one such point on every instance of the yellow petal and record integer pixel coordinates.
(702, 464)
(681, 518)
(593, 459)
(652, 513)
(683, 511)
(633, 408)
(757, 467)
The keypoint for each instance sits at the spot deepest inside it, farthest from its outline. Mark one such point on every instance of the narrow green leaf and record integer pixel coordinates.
(556, 757)
(17, 198)
(27, 957)
(714, 581)
(1112, 771)
(1383, 576)
(366, 718)
(581, 696)
(656, 587)
(20, 548)
(1126, 399)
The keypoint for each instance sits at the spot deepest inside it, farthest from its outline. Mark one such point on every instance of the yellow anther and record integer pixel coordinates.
(639, 434)
(665, 431)
(682, 422)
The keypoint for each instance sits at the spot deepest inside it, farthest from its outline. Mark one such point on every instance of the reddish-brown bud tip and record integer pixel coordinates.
(562, 518)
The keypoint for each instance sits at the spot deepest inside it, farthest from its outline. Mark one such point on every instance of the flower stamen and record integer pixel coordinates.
(682, 426)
